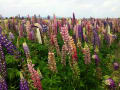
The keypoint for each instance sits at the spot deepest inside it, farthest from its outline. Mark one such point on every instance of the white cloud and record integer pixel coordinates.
(82, 8)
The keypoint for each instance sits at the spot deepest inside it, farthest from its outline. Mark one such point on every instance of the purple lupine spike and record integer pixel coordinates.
(3, 84)
(3, 70)
(106, 38)
(11, 49)
(80, 32)
(96, 39)
(7, 44)
(24, 84)
(33, 35)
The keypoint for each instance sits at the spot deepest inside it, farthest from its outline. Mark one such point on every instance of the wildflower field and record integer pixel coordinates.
(59, 53)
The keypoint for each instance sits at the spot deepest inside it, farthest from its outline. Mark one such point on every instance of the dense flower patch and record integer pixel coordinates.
(59, 53)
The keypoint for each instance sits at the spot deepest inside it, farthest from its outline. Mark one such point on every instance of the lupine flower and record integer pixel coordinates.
(96, 58)
(80, 32)
(11, 36)
(34, 76)
(96, 40)
(38, 35)
(55, 43)
(11, 49)
(55, 25)
(23, 83)
(28, 28)
(73, 20)
(86, 53)
(68, 40)
(21, 30)
(44, 28)
(3, 85)
(26, 50)
(110, 83)
(52, 62)
(63, 58)
(65, 34)
(3, 70)
(116, 65)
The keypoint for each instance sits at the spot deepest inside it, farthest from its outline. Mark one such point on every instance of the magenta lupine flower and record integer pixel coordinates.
(116, 65)
(3, 85)
(35, 76)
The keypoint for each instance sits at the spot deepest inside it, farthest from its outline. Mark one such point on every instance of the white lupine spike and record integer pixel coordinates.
(38, 35)
(108, 29)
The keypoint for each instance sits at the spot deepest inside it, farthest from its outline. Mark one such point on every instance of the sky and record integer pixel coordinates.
(61, 8)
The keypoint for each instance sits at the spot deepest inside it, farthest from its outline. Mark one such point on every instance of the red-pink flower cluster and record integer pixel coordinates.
(68, 41)
(35, 76)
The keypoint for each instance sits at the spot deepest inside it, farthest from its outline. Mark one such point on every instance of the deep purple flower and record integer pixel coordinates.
(23, 84)
(116, 65)
(80, 32)
(96, 39)
(3, 70)
(109, 82)
(3, 85)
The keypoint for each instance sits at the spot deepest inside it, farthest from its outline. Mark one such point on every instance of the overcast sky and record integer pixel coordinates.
(63, 8)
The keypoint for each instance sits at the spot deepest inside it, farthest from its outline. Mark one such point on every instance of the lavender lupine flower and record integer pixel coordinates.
(23, 83)
(116, 65)
(26, 50)
(3, 85)
(107, 38)
(3, 70)
(96, 39)
(109, 82)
